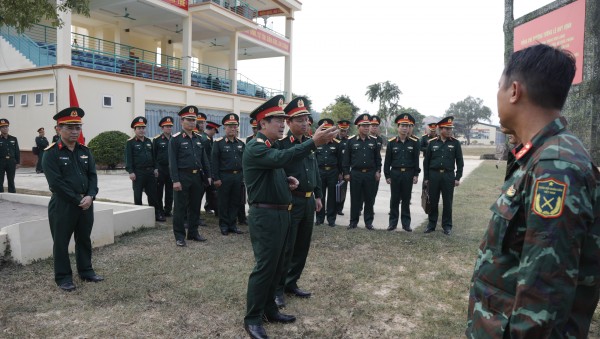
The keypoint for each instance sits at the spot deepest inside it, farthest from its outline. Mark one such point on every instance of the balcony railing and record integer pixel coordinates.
(237, 6)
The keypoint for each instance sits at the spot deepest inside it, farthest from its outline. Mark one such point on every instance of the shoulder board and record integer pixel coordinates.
(176, 134)
(434, 138)
(156, 137)
(283, 138)
(370, 136)
(424, 135)
(50, 146)
(198, 135)
(336, 140)
(251, 136)
(259, 140)
(133, 137)
(238, 139)
(351, 137)
(414, 138)
(218, 139)
(392, 139)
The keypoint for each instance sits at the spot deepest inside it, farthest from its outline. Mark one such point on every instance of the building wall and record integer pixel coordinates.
(482, 134)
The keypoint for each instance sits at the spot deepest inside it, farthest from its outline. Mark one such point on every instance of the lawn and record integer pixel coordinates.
(365, 284)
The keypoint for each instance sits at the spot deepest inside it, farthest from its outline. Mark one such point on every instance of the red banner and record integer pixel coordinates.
(270, 39)
(562, 28)
(179, 3)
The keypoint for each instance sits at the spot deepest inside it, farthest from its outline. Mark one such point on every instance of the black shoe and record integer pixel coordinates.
(352, 226)
(429, 230)
(391, 228)
(298, 292)
(279, 301)
(369, 227)
(67, 286)
(407, 229)
(196, 237)
(256, 331)
(224, 232)
(340, 213)
(236, 231)
(280, 318)
(180, 243)
(160, 217)
(319, 222)
(209, 211)
(447, 232)
(92, 278)
(243, 223)
(201, 222)
(332, 224)
(168, 214)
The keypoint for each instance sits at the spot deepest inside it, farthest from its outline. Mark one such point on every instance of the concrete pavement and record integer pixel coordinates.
(117, 187)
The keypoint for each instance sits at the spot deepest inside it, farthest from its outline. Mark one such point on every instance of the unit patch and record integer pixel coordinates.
(549, 198)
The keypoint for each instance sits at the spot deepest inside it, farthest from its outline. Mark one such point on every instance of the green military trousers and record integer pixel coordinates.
(8, 166)
(268, 233)
(230, 199)
(362, 189)
(187, 203)
(67, 219)
(145, 181)
(401, 189)
(329, 179)
(441, 182)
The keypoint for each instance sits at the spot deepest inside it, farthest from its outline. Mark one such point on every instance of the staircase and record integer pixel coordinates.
(40, 53)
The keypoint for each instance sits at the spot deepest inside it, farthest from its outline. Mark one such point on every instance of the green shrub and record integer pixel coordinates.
(108, 148)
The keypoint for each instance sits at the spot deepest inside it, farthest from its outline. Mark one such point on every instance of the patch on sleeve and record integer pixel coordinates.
(549, 198)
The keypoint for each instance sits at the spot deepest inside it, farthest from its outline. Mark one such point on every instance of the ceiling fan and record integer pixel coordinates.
(126, 15)
(177, 29)
(215, 44)
(246, 53)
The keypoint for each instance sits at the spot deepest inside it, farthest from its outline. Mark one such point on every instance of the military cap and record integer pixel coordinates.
(166, 121)
(211, 125)
(188, 112)
(253, 122)
(4, 122)
(271, 108)
(40, 129)
(446, 122)
(327, 123)
(432, 126)
(296, 108)
(201, 117)
(139, 122)
(343, 124)
(405, 118)
(363, 119)
(69, 116)
(375, 120)
(230, 119)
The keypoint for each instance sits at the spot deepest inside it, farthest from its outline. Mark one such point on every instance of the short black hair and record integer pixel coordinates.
(267, 119)
(545, 71)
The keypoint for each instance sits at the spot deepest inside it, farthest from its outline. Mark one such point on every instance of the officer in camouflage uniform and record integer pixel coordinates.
(537, 273)
(269, 217)
(10, 156)
(188, 164)
(226, 165)
(401, 170)
(70, 170)
(140, 164)
(428, 136)
(362, 168)
(329, 159)
(160, 145)
(442, 153)
(343, 127)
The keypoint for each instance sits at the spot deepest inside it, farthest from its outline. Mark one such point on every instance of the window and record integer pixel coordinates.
(51, 98)
(11, 101)
(24, 98)
(106, 101)
(38, 99)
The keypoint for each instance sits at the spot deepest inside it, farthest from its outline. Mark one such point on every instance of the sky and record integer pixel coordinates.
(436, 55)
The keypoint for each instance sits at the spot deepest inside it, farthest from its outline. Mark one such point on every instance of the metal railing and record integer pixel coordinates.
(245, 86)
(239, 7)
(37, 44)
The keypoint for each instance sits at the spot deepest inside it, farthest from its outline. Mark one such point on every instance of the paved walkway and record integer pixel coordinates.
(117, 187)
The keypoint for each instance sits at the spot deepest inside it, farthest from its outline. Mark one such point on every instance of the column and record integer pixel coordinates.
(233, 57)
(63, 38)
(186, 55)
(288, 59)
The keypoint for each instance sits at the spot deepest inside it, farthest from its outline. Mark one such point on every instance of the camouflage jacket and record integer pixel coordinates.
(537, 273)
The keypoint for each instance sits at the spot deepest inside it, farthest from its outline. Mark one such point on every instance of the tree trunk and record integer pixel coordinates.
(508, 27)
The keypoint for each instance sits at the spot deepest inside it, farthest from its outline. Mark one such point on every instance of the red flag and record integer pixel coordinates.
(74, 103)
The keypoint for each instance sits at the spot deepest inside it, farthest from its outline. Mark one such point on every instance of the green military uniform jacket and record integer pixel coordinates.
(425, 142)
(160, 147)
(537, 272)
(226, 156)
(71, 175)
(139, 155)
(361, 154)
(250, 137)
(305, 169)
(402, 155)
(9, 149)
(442, 155)
(330, 155)
(41, 143)
(187, 153)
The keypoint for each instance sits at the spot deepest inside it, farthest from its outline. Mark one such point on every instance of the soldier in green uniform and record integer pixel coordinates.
(401, 170)
(329, 159)
(443, 152)
(375, 131)
(211, 129)
(254, 130)
(206, 143)
(41, 143)
(306, 199)
(537, 273)
(269, 217)
(362, 168)
(57, 135)
(141, 166)
(226, 165)
(428, 136)
(160, 146)
(188, 163)
(70, 170)
(10, 156)
(343, 127)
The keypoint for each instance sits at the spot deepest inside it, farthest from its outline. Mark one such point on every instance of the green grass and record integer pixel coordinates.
(365, 284)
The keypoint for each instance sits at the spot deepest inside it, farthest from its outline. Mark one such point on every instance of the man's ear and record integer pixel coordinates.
(516, 91)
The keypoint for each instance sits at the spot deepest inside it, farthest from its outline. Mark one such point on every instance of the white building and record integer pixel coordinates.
(483, 134)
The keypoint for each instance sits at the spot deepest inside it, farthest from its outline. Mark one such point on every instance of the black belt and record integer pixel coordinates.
(233, 171)
(302, 194)
(273, 207)
(402, 169)
(190, 170)
(364, 170)
(145, 168)
(327, 168)
(441, 170)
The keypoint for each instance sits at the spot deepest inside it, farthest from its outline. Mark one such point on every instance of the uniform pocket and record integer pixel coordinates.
(505, 210)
